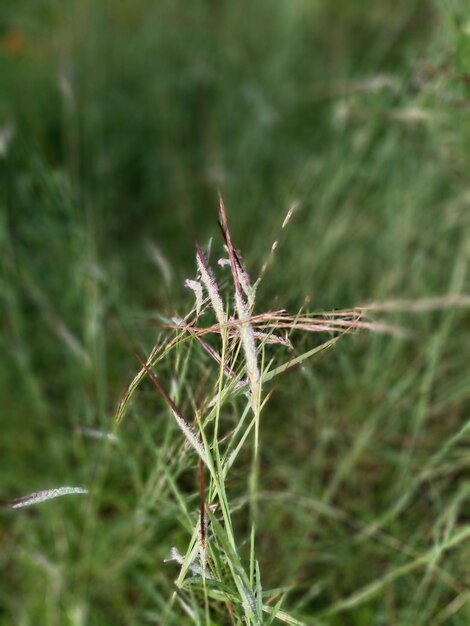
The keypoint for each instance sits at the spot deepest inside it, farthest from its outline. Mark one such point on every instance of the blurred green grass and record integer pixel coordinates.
(127, 118)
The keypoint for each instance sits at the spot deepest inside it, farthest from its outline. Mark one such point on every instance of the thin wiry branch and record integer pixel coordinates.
(353, 320)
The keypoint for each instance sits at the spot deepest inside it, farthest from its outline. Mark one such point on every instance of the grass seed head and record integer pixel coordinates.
(47, 494)
(210, 284)
(196, 286)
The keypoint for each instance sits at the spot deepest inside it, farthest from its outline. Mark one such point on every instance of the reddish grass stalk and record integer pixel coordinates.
(188, 432)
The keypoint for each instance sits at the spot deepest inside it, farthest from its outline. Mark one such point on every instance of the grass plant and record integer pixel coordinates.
(281, 437)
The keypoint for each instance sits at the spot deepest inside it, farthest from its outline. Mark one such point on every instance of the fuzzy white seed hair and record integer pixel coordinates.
(194, 566)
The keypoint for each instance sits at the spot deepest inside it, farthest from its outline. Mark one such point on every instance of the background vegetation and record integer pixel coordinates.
(119, 123)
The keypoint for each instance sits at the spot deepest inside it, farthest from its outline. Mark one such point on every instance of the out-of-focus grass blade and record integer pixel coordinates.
(273, 610)
(282, 616)
(362, 595)
(269, 375)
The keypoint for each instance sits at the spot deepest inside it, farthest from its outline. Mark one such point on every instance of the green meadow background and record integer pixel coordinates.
(119, 124)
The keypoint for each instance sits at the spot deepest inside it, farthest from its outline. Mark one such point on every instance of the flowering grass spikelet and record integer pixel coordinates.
(195, 286)
(194, 567)
(46, 494)
(94, 433)
(191, 436)
(209, 282)
(293, 207)
(247, 337)
(247, 334)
